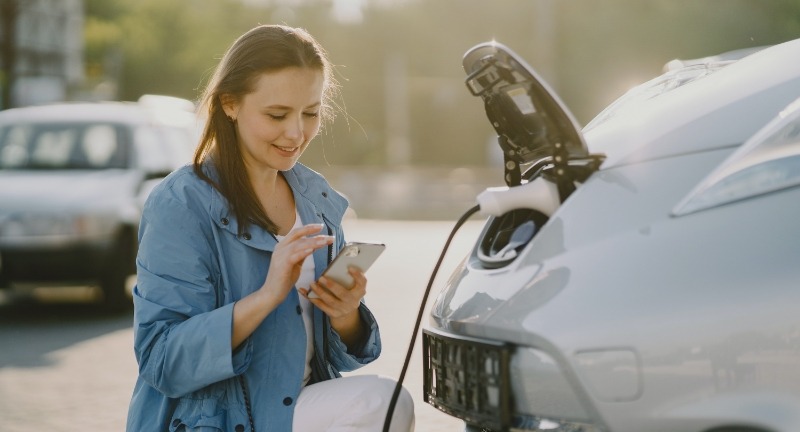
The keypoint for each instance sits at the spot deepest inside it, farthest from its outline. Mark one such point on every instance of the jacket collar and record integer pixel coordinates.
(310, 208)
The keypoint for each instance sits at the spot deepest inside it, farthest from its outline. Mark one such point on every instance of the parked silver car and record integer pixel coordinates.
(640, 275)
(73, 179)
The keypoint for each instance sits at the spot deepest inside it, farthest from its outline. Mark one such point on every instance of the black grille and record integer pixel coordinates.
(468, 379)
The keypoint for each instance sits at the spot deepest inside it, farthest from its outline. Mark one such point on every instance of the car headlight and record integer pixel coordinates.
(767, 162)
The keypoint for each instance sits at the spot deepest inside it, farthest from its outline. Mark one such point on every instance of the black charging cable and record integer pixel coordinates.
(390, 412)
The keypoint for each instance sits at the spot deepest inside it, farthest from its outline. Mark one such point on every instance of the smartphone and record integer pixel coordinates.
(356, 254)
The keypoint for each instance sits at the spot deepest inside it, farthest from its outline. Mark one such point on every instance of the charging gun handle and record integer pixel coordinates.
(538, 194)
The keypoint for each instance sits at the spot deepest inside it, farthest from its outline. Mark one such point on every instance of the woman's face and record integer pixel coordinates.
(279, 118)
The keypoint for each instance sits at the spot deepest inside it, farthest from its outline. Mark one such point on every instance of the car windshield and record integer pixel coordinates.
(59, 146)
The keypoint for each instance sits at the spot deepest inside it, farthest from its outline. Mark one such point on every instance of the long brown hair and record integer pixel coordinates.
(265, 48)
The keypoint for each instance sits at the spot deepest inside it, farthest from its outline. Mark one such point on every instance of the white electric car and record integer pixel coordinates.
(639, 275)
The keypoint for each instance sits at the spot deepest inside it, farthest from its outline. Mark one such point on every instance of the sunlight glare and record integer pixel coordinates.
(348, 11)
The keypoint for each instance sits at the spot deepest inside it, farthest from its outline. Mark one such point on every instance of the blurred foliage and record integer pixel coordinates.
(399, 62)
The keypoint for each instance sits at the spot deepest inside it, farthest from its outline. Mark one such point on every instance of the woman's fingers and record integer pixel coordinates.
(359, 287)
(337, 300)
(291, 251)
(303, 231)
(302, 240)
(299, 243)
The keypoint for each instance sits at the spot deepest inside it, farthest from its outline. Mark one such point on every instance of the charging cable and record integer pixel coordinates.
(390, 412)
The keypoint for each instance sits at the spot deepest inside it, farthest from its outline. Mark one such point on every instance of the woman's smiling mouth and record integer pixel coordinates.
(287, 150)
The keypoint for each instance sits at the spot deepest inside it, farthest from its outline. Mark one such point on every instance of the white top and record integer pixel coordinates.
(304, 281)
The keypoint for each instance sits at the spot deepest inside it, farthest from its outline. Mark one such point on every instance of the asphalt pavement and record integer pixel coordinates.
(67, 365)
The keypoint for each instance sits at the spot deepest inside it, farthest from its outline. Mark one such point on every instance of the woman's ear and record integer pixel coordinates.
(230, 105)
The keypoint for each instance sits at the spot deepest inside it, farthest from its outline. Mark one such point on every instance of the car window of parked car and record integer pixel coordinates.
(52, 147)
(58, 146)
(99, 145)
(14, 146)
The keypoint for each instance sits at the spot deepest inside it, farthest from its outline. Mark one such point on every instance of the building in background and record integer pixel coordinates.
(41, 50)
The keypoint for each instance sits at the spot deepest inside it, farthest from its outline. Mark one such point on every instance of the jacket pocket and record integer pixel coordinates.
(198, 424)
(199, 413)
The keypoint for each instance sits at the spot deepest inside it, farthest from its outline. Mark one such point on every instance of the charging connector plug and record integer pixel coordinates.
(539, 194)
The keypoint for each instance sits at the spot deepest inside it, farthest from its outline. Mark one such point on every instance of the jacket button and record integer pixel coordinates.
(225, 221)
(240, 428)
(287, 401)
(299, 310)
(176, 422)
(324, 194)
(246, 236)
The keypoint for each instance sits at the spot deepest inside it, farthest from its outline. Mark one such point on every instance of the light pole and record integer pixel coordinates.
(9, 10)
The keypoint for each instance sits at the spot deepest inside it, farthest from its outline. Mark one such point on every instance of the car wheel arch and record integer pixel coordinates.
(741, 411)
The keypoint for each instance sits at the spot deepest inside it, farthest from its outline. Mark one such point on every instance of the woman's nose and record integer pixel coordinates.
(294, 128)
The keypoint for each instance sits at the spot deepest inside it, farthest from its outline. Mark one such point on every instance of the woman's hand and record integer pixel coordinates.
(284, 269)
(341, 304)
(288, 256)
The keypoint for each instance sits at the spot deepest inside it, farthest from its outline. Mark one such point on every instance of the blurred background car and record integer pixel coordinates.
(659, 293)
(73, 180)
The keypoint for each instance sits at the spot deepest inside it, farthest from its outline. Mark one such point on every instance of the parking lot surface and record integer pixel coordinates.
(67, 365)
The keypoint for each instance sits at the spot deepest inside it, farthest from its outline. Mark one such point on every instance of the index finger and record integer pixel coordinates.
(304, 231)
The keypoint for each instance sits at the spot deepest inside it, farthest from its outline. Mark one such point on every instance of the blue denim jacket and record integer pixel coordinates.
(191, 268)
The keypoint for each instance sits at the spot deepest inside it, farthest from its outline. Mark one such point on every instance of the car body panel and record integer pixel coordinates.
(32, 190)
(31, 195)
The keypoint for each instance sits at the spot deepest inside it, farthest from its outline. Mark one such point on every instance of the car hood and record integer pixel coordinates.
(719, 109)
(32, 191)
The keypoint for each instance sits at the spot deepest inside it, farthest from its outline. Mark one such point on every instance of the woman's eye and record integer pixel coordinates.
(277, 116)
(311, 114)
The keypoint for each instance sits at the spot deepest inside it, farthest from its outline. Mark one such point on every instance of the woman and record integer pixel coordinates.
(224, 331)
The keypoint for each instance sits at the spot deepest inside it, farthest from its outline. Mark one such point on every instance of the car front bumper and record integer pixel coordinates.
(71, 263)
(498, 386)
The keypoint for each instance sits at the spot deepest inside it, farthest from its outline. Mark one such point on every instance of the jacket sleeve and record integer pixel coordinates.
(182, 335)
(366, 352)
